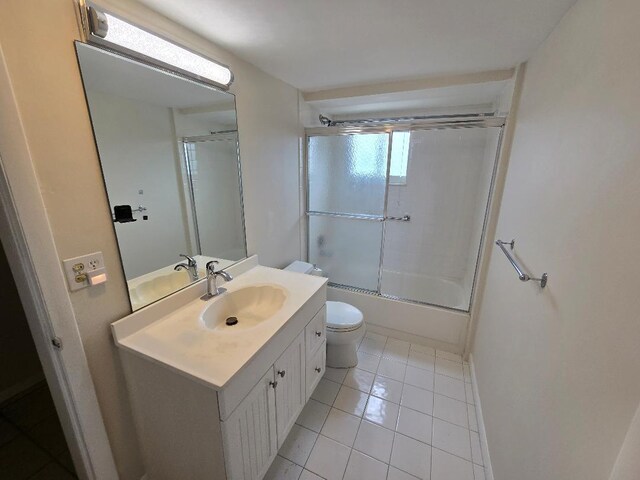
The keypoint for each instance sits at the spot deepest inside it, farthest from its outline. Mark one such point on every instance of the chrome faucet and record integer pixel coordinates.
(191, 266)
(212, 279)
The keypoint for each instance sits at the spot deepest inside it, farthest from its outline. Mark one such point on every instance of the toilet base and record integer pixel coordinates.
(342, 356)
(342, 347)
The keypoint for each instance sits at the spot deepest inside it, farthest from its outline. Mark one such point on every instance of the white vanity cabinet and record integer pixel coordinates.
(260, 424)
(190, 428)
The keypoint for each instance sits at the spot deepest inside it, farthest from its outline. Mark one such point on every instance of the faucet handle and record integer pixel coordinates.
(211, 266)
(190, 260)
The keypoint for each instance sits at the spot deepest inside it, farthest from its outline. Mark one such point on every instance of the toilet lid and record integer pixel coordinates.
(342, 316)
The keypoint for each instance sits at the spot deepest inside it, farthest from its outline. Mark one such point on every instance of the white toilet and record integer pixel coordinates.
(345, 325)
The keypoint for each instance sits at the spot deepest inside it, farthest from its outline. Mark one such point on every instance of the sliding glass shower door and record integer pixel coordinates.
(432, 258)
(346, 198)
(401, 213)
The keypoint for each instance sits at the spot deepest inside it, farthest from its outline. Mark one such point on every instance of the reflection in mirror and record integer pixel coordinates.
(169, 154)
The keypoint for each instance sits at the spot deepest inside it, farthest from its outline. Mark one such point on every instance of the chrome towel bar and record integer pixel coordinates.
(404, 218)
(355, 216)
(521, 275)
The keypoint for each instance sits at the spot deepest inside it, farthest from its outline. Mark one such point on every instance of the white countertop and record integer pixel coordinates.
(179, 340)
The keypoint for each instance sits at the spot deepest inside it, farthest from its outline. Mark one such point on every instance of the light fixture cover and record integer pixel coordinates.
(132, 38)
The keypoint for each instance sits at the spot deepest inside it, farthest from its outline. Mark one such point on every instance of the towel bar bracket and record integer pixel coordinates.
(543, 280)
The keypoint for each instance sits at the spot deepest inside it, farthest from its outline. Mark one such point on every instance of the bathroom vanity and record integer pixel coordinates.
(216, 401)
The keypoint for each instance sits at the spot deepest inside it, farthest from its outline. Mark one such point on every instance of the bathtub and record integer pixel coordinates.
(421, 288)
(418, 323)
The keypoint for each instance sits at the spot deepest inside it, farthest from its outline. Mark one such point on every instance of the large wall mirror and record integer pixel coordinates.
(169, 153)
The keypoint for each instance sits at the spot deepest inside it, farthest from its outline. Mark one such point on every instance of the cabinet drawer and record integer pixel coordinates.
(316, 366)
(315, 332)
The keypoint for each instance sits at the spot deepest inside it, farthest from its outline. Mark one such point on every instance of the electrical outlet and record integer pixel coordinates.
(81, 270)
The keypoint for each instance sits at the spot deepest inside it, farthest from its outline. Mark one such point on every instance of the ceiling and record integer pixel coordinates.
(315, 45)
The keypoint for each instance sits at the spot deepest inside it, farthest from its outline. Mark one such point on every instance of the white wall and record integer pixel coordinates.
(136, 141)
(627, 466)
(558, 369)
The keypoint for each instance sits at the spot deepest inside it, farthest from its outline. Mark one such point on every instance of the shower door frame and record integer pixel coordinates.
(188, 174)
(369, 126)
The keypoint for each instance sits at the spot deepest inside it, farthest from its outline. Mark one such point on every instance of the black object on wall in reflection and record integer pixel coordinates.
(123, 214)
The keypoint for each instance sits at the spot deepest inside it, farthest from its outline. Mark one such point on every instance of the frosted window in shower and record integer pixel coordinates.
(348, 250)
(432, 258)
(399, 158)
(347, 173)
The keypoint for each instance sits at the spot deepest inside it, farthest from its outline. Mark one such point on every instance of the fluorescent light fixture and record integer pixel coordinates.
(112, 31)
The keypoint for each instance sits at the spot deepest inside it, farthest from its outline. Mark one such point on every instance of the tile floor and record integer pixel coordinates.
(32, 445)
(405, 412)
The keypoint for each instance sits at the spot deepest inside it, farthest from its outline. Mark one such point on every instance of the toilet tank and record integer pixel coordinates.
(304, 267)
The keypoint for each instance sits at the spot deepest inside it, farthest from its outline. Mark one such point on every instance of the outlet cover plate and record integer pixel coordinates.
(77, 269)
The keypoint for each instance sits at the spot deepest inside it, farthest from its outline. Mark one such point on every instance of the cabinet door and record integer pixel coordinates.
(290, 392)
(250, 439)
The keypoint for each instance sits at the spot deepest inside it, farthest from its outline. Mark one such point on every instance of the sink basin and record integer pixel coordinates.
(251, 306)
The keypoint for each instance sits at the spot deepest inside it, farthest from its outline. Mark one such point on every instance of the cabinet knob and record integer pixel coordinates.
(318, 334)
(318, 369)
(273, 384)
(281, 373)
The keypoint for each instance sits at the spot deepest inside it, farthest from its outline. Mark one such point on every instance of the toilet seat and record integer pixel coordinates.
(342, 317)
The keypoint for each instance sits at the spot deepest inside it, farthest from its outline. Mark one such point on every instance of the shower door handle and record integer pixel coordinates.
(404, 218)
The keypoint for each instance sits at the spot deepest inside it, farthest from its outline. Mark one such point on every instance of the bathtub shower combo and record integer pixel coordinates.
(398, 210)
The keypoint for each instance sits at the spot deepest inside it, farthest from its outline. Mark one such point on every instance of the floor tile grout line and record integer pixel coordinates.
(403, 382)
(457, 456)
(353, 446)
(36, 473)
(41, 385)
(421, 368)
(433, 409)
(415, 386)
(359, 425)
(470, 441)
(311, 450)
(24, 432)
(320, 433)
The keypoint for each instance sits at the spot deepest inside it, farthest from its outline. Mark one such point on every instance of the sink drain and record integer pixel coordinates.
(232, 321)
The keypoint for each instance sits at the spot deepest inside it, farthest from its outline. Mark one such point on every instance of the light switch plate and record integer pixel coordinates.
(77, 269)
